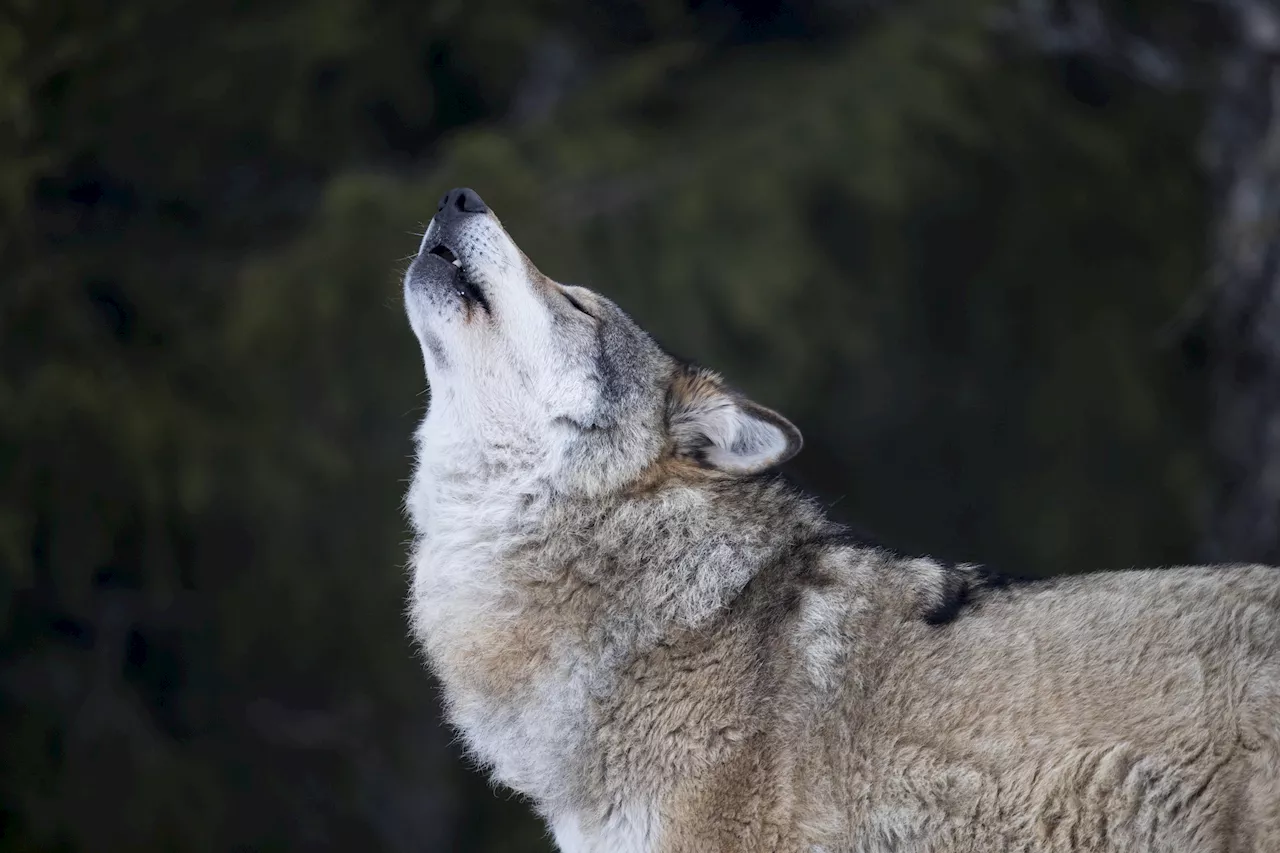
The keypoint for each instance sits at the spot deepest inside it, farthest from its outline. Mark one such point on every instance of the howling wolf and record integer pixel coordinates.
(667, 649)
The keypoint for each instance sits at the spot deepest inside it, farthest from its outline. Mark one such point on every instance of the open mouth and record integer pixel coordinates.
(462, 283)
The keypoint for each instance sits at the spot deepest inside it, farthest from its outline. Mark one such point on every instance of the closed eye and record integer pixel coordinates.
(576, 304)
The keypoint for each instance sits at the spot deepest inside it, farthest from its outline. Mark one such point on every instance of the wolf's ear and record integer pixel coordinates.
(719, 428)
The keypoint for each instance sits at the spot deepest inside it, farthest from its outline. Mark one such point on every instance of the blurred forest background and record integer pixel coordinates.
(1012, 267)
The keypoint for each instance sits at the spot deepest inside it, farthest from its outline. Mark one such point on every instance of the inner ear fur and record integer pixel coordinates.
(718, 428)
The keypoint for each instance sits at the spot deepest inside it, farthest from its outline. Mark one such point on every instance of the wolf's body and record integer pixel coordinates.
(669, 651)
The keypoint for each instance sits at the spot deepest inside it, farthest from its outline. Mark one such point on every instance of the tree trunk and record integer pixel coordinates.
(1242, 156)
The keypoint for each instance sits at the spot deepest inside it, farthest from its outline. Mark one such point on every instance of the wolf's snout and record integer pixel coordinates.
(459, 201)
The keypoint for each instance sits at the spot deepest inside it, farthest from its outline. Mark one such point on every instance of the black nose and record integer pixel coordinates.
(458, 201)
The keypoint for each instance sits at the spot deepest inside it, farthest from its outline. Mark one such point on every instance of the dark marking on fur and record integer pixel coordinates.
(965, 588)
(610, 350)
(577, 424)
(957, 591)
(436, 349)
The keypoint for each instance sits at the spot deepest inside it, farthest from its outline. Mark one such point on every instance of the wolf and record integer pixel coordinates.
(648, 633)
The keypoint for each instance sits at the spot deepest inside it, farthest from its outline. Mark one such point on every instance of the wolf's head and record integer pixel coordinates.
(561, 375)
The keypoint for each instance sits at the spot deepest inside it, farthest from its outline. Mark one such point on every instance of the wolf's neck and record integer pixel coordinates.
(470, 509)
(530, 604)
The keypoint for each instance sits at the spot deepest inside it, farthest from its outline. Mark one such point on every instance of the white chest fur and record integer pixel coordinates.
(469, 510)
(628, 830)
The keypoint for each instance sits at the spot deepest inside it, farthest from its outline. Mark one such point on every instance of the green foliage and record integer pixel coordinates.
(955, 275)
